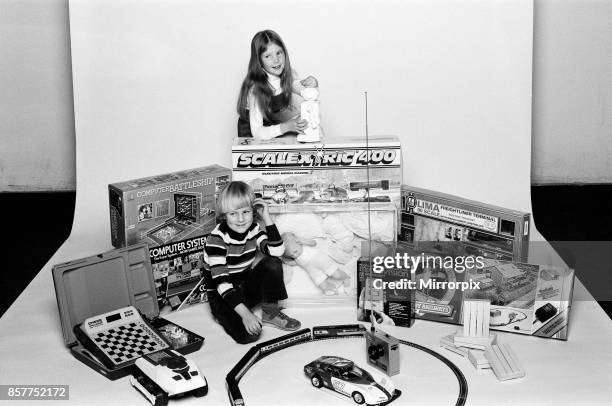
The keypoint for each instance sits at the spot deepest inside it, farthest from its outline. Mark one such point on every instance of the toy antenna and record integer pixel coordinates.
(368, 178)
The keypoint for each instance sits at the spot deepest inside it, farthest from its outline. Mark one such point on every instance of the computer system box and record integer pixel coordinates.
(172, 213)
(438, 222)
(336, 171)
(109, 314)
(323, 244)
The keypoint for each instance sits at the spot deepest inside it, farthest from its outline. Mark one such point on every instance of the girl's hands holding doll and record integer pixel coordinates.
(296, 124)
(261, 206)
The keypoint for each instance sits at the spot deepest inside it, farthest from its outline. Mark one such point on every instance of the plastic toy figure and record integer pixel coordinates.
(343, 376)
(309, 110)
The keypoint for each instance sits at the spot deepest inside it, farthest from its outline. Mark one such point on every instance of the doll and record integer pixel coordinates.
(309, 110)
(321, 269)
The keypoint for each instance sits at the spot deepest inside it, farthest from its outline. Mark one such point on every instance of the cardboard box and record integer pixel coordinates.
(107, 283)
(437, 222)
(172, 213)
(525, 298)
(337, 171)
(387, 294)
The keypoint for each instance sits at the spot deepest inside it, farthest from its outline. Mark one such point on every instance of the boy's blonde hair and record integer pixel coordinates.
(235, 195)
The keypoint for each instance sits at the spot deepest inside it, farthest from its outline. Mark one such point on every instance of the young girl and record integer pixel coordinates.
(266, 105)
(235, 283)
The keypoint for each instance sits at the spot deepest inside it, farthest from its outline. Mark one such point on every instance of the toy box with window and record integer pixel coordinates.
(326, 198)
(465, 226)
(172, 213)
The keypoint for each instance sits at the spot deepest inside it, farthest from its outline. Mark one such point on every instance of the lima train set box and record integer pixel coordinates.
(172, 213)
(438, 222)
(338, 170)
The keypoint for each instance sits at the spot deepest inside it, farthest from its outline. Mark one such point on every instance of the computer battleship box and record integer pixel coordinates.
(172, 213)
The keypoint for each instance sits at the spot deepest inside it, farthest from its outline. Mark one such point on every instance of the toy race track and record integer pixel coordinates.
(309, 347)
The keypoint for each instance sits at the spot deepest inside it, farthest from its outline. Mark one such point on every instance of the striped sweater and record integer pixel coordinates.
(229, 254)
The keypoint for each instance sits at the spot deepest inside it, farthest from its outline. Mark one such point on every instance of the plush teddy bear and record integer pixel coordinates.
(321, 269)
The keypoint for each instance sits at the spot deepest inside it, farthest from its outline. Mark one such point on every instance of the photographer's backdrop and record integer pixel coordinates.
(156, 83)
(572, 115)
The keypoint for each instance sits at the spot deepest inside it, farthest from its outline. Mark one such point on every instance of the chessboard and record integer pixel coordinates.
(120, 337)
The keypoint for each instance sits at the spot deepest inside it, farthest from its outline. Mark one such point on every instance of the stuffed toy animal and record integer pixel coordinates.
(321, 269)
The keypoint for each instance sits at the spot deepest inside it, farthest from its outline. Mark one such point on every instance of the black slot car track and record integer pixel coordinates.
(266, 348)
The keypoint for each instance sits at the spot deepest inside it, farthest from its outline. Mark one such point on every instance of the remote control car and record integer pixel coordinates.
(165, 374)
(343, 376)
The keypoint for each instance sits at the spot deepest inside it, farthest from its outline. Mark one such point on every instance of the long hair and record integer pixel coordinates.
(257, 78)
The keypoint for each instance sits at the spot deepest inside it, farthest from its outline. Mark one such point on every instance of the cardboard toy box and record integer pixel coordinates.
(111, 297)
(525, 298)
(391, 302)
(172, 213)
(339, 170)
(437, 222)
(332, 236)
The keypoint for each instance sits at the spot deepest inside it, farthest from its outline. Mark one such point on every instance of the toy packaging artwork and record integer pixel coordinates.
(525, 298)
(325, 198)
(468, 227)
(323, 245)
(339, 170)
(109, 314)
(385, 295)
(172, 213)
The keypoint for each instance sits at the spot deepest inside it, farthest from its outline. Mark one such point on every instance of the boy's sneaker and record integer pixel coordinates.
(281, 321)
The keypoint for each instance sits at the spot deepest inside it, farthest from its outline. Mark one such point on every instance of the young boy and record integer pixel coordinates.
(240, 277)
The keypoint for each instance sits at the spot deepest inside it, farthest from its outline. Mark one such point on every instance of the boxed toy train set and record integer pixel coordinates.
(467, 227)
(172, 213)
(525, 298)
(339, 170)
(109, 314)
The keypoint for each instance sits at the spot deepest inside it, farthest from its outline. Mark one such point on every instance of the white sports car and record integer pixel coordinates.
(343, 376)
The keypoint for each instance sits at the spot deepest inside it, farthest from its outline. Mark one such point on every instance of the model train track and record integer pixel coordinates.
(463, 386)
(318, 333)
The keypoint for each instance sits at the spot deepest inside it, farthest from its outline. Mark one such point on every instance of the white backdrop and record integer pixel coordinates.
(156, 84)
